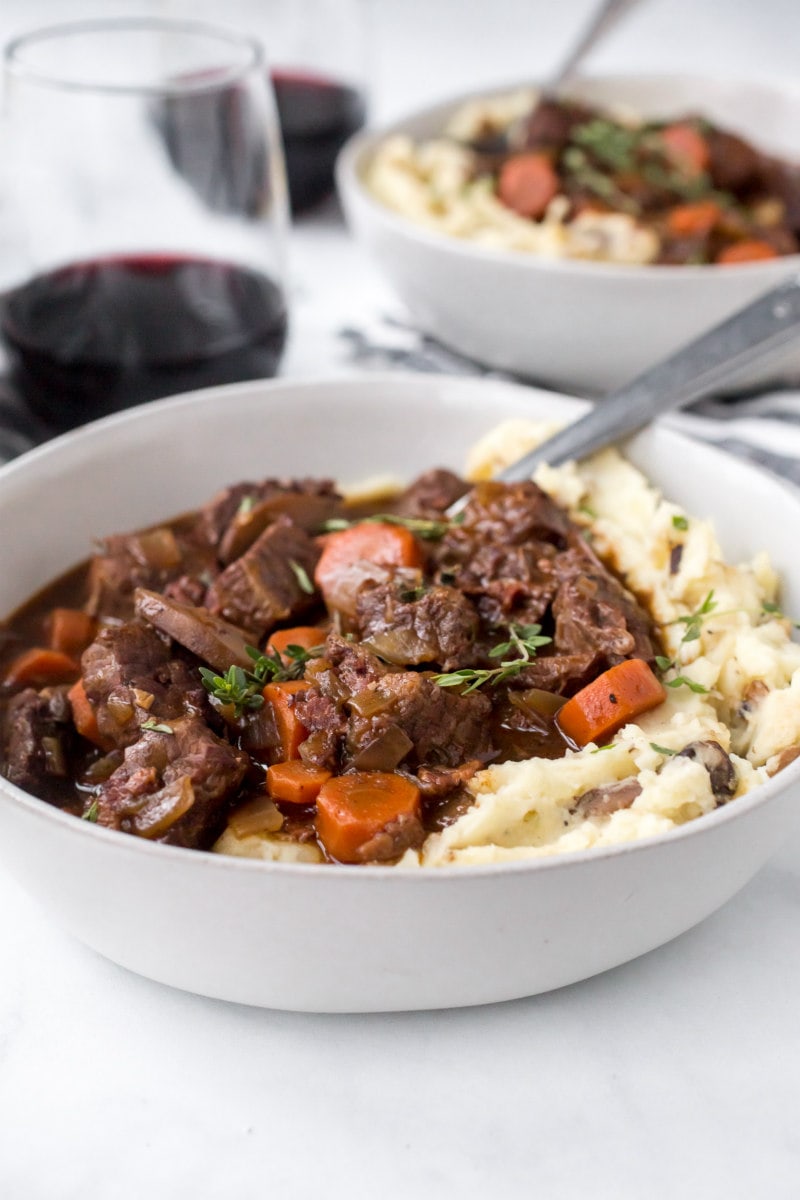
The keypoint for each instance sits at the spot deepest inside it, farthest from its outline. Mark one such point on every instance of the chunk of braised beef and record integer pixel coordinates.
(595, 614)
(501, 554)
(733, 162)
(174, 787)
(412, 625)
(444, 727)
(266, 585)
(431, 494)
(514, 513)
(37, 739)
(131, 677)
(562, 674)
(151, 558)
(406, 832)
(551, 124)
(507, 583)
(233, 504)
(437, 782)
(354, 700)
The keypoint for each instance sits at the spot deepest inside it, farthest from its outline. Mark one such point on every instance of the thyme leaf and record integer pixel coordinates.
(423, 527)
(301, 575)
(91, 813)
(155, 727)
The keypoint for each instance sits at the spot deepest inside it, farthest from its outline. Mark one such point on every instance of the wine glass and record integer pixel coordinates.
(148, 200)
(318, 59)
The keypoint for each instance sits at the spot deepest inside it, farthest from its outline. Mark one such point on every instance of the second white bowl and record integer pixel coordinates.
(583, 326)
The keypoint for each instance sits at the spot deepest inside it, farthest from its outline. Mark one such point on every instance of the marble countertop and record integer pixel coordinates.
(677, 1075)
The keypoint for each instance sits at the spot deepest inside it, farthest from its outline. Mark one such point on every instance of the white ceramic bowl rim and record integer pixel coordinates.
(354, 154)
(125, 843)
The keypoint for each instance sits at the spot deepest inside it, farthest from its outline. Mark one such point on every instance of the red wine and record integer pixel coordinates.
(95, 337)
(317, 116)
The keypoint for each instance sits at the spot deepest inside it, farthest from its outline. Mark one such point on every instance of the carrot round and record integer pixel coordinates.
(39, 667)
(382, 544)
(687, 148)
(70, 630)
(527, 184)
(751, 250)
(84, 717)
(353, 809)
(290, 731)
(295, 782)
(693, 220)
(305, 636)
(609, 702)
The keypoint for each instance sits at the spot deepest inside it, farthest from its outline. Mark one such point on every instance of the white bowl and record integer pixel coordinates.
(584, 326)
(359, 938)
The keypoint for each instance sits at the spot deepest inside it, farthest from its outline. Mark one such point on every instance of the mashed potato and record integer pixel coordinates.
(742, 657)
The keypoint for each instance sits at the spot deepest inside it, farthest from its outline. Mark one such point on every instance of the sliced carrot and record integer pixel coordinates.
(382, 544)
(693, 220)
(610, 701)
(39, 667)
(295, 782)
(687, 148)
(84, 717)
(70, 630)
(752, 250)
(353, 809)
(305, 636)
(290, 732)
(527, 184)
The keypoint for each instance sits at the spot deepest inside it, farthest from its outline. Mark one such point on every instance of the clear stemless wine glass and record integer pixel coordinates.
(148, 196)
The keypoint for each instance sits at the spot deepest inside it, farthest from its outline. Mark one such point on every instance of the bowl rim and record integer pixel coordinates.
(366, 382)
(353, 156)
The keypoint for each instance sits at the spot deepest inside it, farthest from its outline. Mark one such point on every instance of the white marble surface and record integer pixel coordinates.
(677, 1076)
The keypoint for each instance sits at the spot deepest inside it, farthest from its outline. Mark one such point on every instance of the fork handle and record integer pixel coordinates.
(714, 359)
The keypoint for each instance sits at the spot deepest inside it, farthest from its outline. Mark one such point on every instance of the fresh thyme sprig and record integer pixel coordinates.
(770, 609)
(693, 627)
(236, 688)
(270, 667)
(429, 530)
(525, 639)
(242, 688)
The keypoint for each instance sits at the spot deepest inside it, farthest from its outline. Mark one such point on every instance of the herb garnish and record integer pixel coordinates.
(662, 749)
(679, 521)
(612, 144)
(770, 609)
(236, 687)
(91, 813)
(301, 575)
(526, 639)
(155, 727)
(242, 688)
(429, 530)
(692, 622)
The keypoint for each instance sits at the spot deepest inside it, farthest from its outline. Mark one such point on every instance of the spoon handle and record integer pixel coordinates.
(600, 23)
(714, 359)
